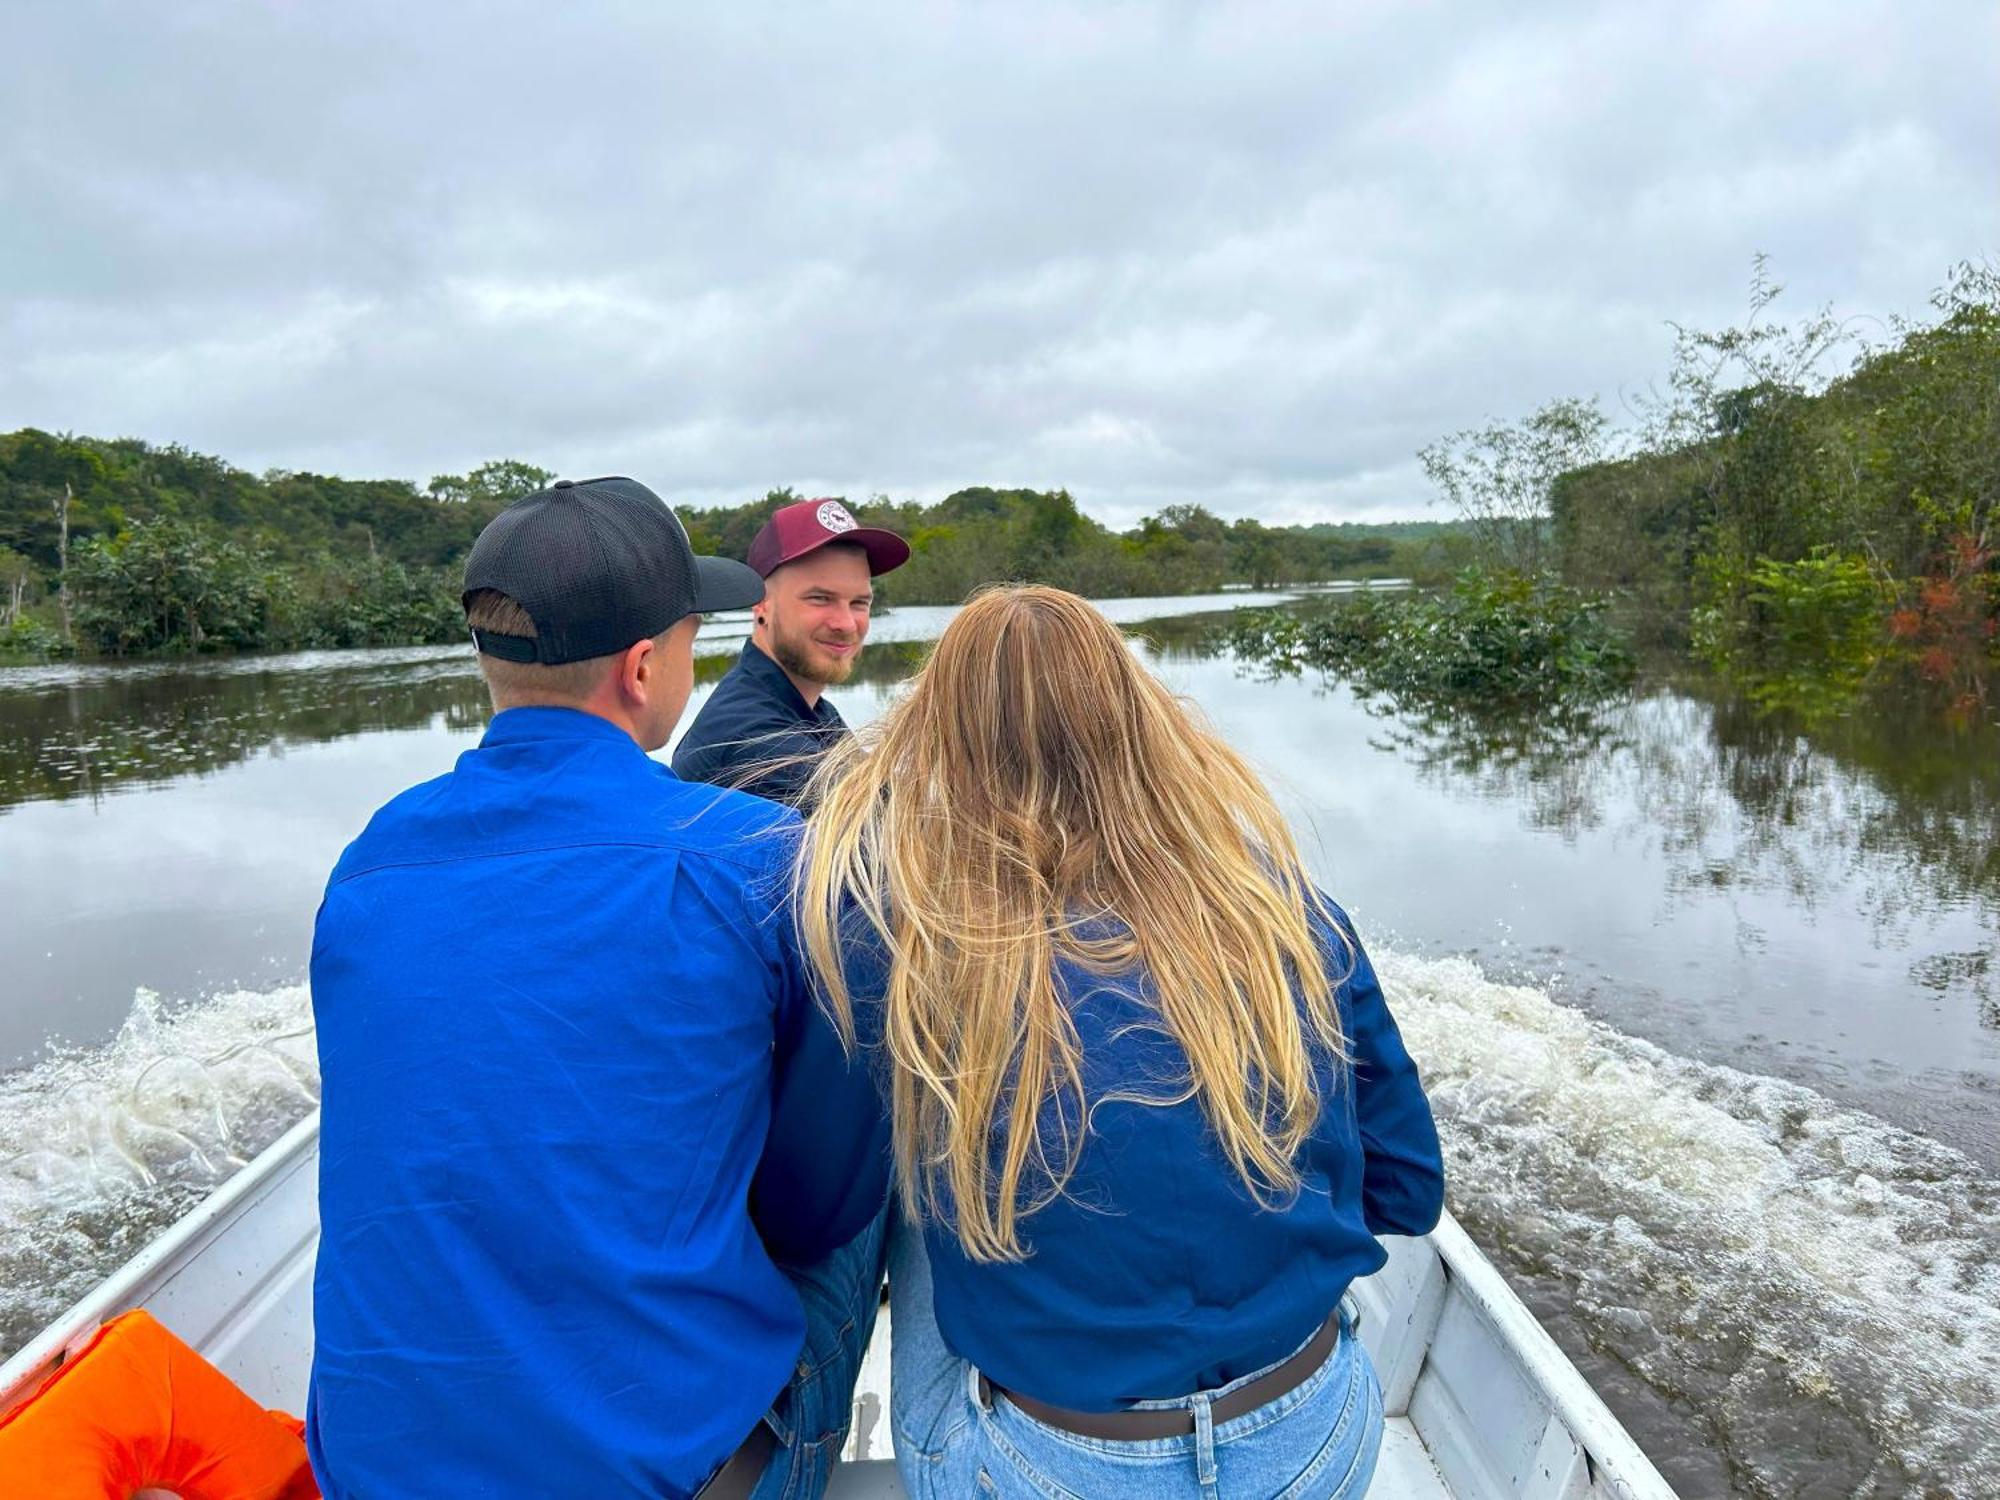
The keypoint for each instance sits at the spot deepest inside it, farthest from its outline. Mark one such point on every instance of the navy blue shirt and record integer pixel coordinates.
(755, 732)
(1156, 1274)
(576, 1098)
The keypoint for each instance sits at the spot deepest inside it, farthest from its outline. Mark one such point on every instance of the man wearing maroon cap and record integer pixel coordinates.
(768, 720)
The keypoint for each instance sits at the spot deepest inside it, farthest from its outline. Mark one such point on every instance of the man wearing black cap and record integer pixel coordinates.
(767, 721)
(578, 1102)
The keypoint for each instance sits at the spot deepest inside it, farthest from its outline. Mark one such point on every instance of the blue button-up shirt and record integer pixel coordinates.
(755, 732)
(1155, 1274)
(576, 1098)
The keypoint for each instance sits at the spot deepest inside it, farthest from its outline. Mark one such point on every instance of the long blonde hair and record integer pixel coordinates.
(1035, 781)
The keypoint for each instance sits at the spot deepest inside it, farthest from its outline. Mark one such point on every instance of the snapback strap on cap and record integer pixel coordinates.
(507, 647)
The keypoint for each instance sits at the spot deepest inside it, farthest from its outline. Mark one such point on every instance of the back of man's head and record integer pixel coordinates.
(565, 581)
(516, 684)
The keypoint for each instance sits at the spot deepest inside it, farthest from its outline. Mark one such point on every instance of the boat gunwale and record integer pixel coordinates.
(1612, 1452)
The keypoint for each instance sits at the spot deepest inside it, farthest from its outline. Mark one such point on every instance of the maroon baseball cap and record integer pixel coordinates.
(808, 525)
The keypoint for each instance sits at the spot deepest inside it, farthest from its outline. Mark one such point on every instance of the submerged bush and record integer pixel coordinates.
(1947, 625)
(27, 639)
(1491, 638)
(1775, 501)
(1800, 635)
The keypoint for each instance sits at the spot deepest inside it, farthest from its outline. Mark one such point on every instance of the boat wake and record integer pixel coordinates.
(1778, 1295)
(101, 1149)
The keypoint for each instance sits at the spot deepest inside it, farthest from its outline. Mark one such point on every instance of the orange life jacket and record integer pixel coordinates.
(138, 1409)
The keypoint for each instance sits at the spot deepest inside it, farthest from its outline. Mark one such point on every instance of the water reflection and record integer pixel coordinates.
(1896, 794)
(1548, 761)
(1738, 798)
(1886, 816)
(87, 734)
(1735, 797)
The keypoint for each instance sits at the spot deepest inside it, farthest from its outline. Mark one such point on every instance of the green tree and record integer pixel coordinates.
(1755, 466)
(502, 481)
(1501, 478)
(341, 562)
(172, 585)
(1257, 555)
(1050, 528)
(1195, 522)
(16, 574)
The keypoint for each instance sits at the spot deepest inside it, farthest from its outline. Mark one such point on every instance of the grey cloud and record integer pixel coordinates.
(1250, 255)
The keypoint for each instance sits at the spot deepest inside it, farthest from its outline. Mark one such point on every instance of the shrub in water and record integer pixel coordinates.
(1491, 638)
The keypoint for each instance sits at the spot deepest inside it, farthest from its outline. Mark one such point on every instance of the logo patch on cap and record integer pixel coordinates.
(834, 517)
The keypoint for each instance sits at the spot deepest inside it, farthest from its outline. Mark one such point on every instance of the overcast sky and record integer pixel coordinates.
(1252, 255)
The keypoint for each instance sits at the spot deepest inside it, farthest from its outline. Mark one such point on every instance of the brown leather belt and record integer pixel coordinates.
(1178, 1421)
(738, 1477)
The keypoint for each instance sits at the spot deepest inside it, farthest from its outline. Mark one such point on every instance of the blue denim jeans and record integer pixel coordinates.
(1316, 1442)
(841, 1295)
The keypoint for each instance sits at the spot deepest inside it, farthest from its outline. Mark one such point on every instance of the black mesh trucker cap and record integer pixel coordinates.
(598, 564)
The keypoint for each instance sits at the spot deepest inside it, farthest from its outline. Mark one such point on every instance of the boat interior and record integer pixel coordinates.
(1479, 1400)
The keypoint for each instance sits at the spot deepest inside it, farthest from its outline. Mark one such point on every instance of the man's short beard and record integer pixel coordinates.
(830, 671)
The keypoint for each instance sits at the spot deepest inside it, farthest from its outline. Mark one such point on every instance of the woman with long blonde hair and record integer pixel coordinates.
(1148, 1106)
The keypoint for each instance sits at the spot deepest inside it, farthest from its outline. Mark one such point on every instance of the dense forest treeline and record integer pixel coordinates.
(117, 547)
(1809, 506)
(120, 548)
(1808, 530)
(978, 535)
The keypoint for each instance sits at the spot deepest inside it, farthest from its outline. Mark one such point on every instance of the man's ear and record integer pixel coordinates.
(635, 666)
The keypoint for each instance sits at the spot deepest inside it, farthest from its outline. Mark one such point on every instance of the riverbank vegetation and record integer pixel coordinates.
(1491, 640)
(1803, 530)
(117, 548)
(1804, 505)
(982, 535)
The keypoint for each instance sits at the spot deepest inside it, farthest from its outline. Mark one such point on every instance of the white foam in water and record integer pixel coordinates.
(1812, 1292)
(1822, 1288)
(101, 1149)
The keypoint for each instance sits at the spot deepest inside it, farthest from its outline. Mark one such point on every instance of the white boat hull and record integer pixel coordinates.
(1481, 1403)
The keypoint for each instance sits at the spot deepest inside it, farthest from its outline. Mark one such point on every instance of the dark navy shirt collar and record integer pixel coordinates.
(776, 684)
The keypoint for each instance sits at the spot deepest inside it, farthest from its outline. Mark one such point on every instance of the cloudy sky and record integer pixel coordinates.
(1249, 254)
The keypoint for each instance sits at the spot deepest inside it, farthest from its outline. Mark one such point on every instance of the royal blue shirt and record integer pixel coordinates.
(576, 1098)
(757, 733)
(1156, 1275)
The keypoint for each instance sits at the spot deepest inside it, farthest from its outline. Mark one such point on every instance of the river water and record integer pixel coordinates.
(1709, 1004)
